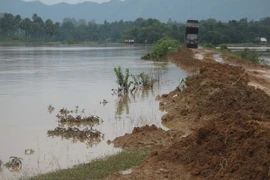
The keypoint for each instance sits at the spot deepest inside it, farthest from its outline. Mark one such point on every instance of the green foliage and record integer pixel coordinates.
(162, 48)
(141, 30)
(122, 80)
(223, 47)
(143, 80)
(99, 169)
(249, 55)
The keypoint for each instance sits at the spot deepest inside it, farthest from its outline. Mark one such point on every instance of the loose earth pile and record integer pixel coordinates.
(220, 127)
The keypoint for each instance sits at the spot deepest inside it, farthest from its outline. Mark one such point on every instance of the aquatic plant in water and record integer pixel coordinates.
(68, 116)
(73, 118)
(122, 80)
(50, 108)
(142, 80)
(89, 135)
(14, 164)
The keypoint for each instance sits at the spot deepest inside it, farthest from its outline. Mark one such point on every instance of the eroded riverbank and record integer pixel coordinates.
(219, 125)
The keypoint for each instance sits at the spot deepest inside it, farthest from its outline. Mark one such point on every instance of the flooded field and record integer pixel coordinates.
(265, 51)
(37, 82)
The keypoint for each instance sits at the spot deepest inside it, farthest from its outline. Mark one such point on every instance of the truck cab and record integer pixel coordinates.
(192, 33)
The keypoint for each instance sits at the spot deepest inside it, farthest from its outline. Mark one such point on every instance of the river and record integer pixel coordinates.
(34, 77)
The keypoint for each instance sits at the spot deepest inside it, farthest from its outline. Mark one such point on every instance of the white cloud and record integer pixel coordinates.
(50, 2)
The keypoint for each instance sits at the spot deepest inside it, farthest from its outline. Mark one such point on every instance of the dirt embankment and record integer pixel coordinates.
(220, 126)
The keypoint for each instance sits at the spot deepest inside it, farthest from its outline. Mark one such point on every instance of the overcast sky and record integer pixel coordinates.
(50, 2)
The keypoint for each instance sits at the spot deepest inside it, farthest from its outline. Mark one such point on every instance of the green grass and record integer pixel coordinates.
(100, 168)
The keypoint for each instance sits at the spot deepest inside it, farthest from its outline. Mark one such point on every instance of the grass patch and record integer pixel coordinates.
(100, 168)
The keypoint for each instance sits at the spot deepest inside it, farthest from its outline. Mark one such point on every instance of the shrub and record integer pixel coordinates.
(223, 47)
(162, 48)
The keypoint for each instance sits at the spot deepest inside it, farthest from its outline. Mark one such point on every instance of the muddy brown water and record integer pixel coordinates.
(34, 77)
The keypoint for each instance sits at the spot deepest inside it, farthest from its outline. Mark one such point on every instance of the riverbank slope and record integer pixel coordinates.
(219, 124)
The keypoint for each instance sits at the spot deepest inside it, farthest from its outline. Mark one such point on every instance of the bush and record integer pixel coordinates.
(223, 47)
(162, 48)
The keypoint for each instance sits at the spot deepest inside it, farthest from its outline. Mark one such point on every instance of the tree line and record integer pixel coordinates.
(141, 30)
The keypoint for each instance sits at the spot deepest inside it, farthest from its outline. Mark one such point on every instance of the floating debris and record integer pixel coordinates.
(1, 162)
(79, 119)
(50, 109)
(104, 101)
(89, 135)
(14, 164)
(65, 116)
(76, 109)
(29, 151)
(182, 85)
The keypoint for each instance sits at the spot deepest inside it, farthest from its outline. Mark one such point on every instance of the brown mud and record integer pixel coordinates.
(219, 124)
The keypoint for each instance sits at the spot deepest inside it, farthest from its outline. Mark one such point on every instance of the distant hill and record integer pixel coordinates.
(115, 10)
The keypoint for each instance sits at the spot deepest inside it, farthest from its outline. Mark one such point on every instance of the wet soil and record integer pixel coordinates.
(219, 124)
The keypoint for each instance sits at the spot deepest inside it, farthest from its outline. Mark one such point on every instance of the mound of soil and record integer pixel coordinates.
(185, 60)
(226, 121)
(150, 137)
(230, 147)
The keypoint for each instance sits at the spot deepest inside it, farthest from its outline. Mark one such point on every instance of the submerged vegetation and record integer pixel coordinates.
(72, 118)
(66, 116)
(88, 135)
(100, 168)
(122, 80)
(141, 81)
(13, 165)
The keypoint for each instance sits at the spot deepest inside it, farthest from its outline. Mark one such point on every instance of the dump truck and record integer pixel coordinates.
(192, 33)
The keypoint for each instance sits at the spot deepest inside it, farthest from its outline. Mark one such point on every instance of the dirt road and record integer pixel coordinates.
(219, 124)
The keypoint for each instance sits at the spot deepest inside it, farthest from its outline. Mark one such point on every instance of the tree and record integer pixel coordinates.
(17, 23)
(26, 26)
(49, 28)
(7, 24)
(37, 26)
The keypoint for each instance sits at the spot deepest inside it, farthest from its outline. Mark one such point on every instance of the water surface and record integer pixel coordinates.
(33, 77)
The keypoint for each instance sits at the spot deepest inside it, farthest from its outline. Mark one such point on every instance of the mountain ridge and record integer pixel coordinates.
(115, 10)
